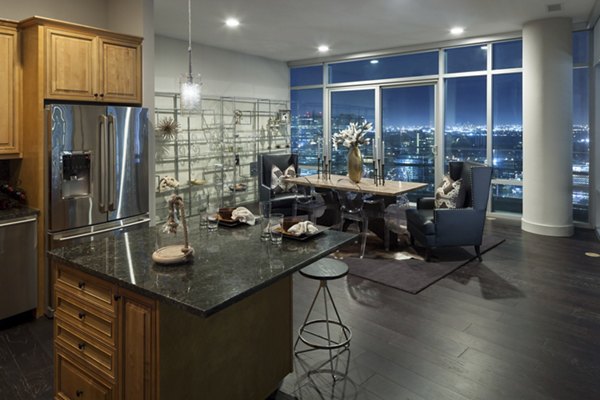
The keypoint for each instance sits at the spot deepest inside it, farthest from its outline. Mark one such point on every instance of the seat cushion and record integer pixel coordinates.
(421, 220)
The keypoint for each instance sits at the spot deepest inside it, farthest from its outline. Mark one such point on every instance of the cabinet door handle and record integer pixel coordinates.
(117, 297)
(79, 393)
(81, 346)
(81, 285)
(95, 94)
(81, 315)
(101, 94)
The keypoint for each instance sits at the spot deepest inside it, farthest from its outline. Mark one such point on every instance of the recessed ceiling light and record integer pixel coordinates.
(457, 30)
(323, 48)
(232, 22)
(374, 61)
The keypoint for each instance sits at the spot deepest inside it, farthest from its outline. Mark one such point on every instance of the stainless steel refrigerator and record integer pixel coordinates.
(98, 171)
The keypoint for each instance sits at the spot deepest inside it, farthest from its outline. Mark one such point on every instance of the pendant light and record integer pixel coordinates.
(190, 86)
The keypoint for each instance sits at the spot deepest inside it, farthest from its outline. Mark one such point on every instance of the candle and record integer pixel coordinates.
(374, 150)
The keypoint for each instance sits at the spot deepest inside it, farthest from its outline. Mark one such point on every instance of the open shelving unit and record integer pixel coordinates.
(214, 156)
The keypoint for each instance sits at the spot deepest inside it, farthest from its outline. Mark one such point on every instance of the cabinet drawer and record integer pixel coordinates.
(72, 383)
(91, 352)
(87, 288)
(84, 317)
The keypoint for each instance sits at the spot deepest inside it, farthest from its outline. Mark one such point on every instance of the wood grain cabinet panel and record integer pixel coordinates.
(121, 70)
(88, 65)
(10, 140)
(70, 65)
(138, 349)
(109, 333)
(73, 383)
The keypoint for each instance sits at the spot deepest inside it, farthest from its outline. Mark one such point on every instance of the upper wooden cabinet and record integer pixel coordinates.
(10, 105)
(88, 64)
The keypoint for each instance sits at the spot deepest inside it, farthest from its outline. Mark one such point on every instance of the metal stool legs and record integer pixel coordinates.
(330, 343)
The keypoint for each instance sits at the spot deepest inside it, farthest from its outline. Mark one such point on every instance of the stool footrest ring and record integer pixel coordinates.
(347, 333)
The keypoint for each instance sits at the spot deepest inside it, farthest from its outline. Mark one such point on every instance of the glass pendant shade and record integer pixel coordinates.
(191, 94)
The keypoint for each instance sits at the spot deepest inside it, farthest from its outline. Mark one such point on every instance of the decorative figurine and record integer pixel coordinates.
(175, 254)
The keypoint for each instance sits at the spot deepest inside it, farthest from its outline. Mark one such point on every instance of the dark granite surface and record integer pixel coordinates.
(14, 213)
(228, 265)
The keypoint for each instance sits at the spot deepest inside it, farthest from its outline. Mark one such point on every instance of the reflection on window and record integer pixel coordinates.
(581, 144)
(303, 76)
(307, 127)
(409, 135)
(507, 117)
(465, 125)
(507, 198)
(464, 59)
(419, 64)
(507, 54)
(346, 107)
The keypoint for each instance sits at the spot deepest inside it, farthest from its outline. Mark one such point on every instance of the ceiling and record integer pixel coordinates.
(289, 30)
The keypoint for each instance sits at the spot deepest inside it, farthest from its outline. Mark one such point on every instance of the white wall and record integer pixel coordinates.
(224, 72)
(86, 12)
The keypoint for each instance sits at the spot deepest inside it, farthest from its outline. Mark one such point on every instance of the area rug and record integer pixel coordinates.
(406, 270)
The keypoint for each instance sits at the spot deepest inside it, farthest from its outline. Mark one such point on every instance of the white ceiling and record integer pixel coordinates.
(292, 29)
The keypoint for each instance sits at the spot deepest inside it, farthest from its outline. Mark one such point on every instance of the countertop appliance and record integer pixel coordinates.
(98, 171)
(18, 268)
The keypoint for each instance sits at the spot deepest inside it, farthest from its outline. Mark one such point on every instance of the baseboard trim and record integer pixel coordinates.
(547, 230)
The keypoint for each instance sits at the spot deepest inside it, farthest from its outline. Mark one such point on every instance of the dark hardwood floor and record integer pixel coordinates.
(522, 324)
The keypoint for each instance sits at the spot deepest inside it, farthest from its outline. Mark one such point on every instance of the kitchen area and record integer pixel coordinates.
(76, 241)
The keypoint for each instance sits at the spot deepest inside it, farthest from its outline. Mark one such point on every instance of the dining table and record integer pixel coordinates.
(385, 188)
(387, 191)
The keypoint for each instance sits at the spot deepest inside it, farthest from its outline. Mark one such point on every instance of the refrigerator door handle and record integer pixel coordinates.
(102, 161)
(96, 232)
(112, 163)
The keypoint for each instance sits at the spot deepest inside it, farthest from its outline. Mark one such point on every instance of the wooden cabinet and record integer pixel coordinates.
(138, 349)
(121, 71)
(71, 60)
(87, 67)
(105, 339)
(10, 92)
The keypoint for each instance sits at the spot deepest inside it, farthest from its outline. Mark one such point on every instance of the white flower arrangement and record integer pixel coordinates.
(353, 135)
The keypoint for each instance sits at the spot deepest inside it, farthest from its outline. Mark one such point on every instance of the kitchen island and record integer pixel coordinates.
(219, 327)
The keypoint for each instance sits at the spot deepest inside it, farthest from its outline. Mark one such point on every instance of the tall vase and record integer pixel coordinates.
(355, 164)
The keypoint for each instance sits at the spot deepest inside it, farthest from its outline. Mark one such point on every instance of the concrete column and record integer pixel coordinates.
(547, 127)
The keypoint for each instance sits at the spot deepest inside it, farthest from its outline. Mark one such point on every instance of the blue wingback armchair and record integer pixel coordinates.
(461, 226)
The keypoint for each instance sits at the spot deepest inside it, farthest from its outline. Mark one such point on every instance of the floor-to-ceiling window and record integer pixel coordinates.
(581, 123)
(356, 106)
(480, 117)
(465, 129)
(306, 102)
(507, 126)
(408, 134)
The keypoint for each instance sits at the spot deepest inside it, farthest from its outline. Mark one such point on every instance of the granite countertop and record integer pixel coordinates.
(228, 265)
(14, 213)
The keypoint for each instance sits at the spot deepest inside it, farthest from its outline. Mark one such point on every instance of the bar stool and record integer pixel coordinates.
(324, 270)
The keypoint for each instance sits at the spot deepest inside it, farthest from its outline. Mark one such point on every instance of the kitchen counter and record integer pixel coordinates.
(219, 327)
(228, 265)
(21, 212)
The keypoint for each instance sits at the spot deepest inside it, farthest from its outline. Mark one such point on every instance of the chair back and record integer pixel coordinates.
(351, 202)
(476, 180)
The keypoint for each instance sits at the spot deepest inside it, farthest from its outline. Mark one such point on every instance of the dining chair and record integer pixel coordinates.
(352, 209)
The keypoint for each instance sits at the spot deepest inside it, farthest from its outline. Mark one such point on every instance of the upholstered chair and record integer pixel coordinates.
(280, 202)
(461, 226)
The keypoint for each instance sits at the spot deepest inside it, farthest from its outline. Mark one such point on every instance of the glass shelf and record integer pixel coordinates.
(214, 147)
